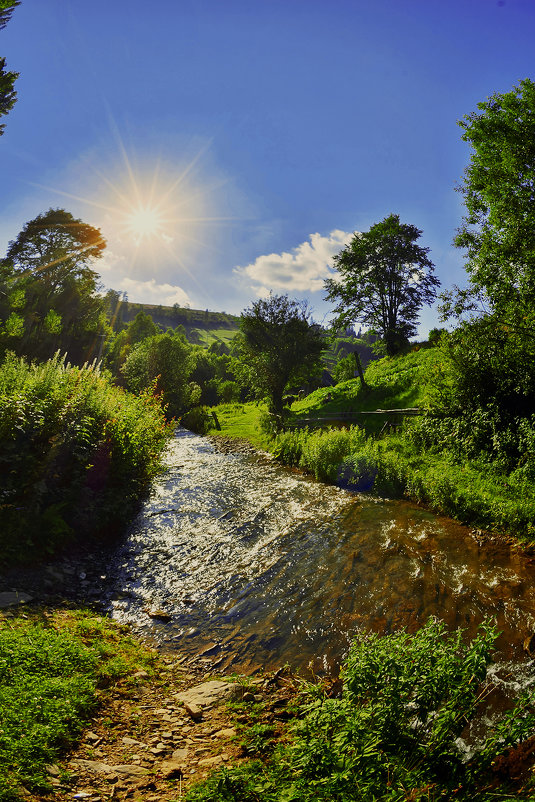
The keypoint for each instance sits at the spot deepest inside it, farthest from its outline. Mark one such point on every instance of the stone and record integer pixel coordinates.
(171, 768)
(10, 598)
(180, 755)
(94, 766)
(208, 693)
(129, 771)
(228, 732)
(141, 675)
(132, 742)
(194, 711)
(52, 769)
(211, 761)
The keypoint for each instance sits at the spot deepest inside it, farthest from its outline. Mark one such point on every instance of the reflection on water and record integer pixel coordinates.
(258, 565)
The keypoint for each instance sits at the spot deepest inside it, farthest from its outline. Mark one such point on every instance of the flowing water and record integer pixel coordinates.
(251, 564)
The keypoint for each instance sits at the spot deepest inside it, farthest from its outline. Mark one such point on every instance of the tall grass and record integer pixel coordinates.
(75, 453)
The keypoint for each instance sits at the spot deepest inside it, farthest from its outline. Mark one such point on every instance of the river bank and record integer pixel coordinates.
(473, 492)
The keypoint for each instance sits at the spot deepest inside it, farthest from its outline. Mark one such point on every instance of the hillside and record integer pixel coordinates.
(202, 326)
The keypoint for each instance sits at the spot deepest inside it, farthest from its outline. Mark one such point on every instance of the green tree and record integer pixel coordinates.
(280, 345)
(499, 195)
(168, 360)
(383, 279)
(8, 95)
(51, 299)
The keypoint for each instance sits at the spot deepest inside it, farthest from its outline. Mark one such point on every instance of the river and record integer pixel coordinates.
(245, 563)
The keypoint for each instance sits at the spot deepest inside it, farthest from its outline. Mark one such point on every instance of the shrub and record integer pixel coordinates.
(75, 453)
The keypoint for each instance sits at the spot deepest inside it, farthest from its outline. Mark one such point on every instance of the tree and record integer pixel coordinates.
(383, 280)
(499, 194)
(8, 95)
(280, 345)
(168, 359)
(51, 289)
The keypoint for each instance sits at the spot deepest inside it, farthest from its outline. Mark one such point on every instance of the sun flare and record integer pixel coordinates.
(144, 222)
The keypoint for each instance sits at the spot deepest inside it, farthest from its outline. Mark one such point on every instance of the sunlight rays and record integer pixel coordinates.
(155, 215)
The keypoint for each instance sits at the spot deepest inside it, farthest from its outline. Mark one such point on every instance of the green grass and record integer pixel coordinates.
(206, 337)
(241, 421)
(53, 669)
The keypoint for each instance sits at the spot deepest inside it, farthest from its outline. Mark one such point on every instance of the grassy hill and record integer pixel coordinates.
(202, 326)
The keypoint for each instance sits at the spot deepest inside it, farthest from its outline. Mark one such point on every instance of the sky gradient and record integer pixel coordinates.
(264, 132)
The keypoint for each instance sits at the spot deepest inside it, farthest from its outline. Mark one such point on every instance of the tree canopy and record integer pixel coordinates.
(383, 279)
(280, 344)
(8, 95)
(49, 299)
(499, 195)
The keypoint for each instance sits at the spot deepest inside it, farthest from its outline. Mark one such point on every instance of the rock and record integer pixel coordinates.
(171, 768)
(208, 693)
(10, 598)
(159, 615)
(141, 675)
(248, 697)
(194, 711)
(229, 732)
(53, 770)
(132, 742)
(180, 755)
(130, 771)
(93, 766)
(211, 761)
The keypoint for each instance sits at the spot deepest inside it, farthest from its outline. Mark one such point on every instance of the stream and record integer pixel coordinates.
(246, 564)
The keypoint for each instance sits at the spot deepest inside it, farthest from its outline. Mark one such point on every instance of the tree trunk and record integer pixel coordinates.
(361, 372)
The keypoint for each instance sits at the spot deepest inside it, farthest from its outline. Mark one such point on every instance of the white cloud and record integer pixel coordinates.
(303, 269)
(149, 292)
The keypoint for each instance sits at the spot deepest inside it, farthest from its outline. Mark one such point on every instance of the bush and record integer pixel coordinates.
(75, 453)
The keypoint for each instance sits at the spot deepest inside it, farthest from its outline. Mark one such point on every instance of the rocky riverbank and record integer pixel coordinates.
(158, 732)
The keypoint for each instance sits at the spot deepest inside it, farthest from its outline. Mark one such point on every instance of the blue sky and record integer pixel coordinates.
(256, 135)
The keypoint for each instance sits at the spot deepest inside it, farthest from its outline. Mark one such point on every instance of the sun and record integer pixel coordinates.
(144, 222)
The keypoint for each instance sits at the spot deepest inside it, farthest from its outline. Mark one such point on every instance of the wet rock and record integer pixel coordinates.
(159, 615)
(10, 598)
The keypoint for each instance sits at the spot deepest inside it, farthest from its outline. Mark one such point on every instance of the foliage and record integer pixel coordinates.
(320, 452)
(8, 96)
(393, 734)
(484, 394)
(48, 295)
(50, 671)
(168, 361)
(280, 345)
(383, 280)
(75, 453)
(498, 191)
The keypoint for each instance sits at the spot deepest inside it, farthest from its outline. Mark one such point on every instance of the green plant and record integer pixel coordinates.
(393, 734)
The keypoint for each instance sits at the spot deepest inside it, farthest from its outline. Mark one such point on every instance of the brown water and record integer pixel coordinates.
(257, 565)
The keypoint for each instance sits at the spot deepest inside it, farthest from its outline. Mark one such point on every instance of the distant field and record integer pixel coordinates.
(208, 336)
